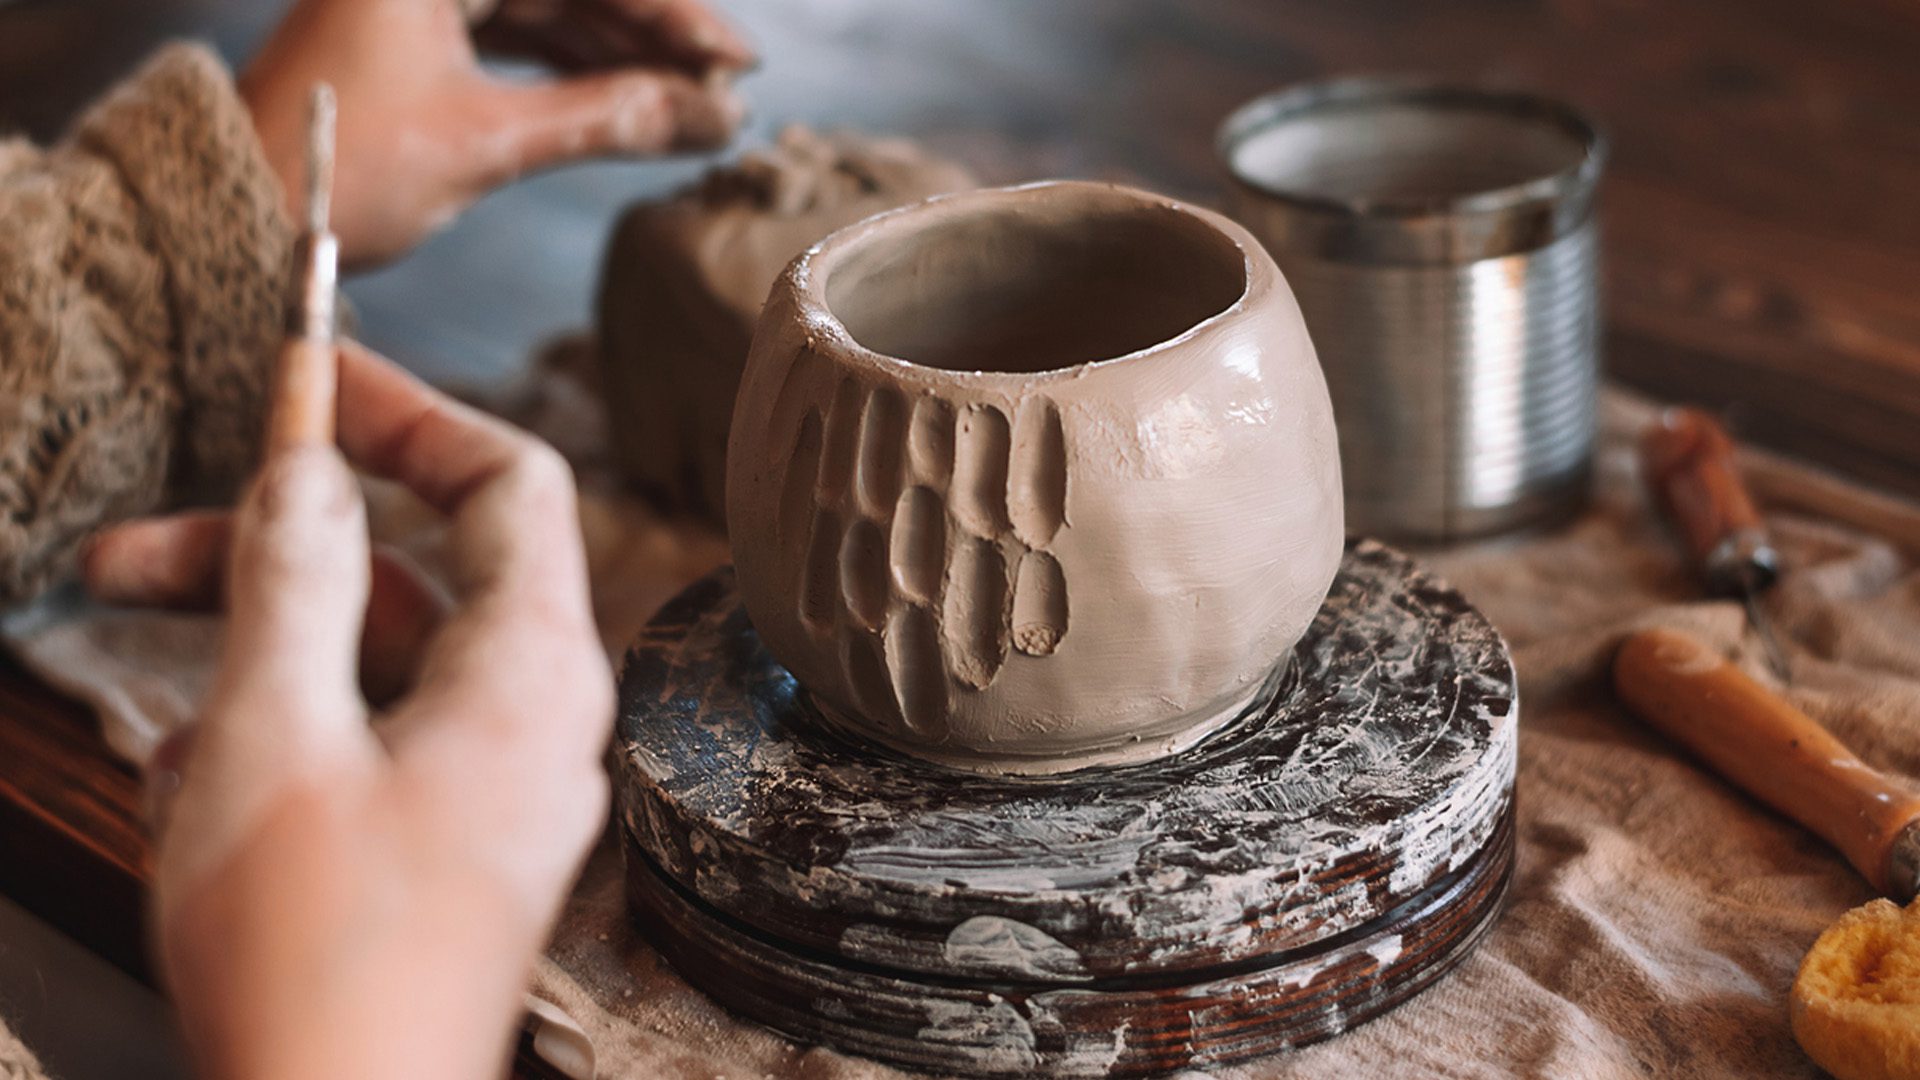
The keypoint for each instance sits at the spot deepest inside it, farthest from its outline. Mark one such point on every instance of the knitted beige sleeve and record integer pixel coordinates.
(142, 274)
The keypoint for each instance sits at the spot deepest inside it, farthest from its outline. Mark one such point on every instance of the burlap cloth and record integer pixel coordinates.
(1656, 916)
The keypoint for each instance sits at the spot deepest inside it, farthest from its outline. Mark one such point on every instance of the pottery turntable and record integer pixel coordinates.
(1047, 726)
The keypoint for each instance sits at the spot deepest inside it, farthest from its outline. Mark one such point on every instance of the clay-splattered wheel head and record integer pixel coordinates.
(1034, 478)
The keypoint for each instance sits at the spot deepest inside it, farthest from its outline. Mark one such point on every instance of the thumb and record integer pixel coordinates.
(296, 594)
(542, 125)
(283, 708)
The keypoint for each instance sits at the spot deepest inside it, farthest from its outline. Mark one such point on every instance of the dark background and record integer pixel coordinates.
(1763, 240)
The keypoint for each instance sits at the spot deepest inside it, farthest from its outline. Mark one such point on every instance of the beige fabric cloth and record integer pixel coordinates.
(1656, 917)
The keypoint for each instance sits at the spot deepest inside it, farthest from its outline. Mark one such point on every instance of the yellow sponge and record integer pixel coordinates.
(1856, 1001)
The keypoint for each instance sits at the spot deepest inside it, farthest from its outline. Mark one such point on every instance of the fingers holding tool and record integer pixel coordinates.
(514, 692)
(179, 562)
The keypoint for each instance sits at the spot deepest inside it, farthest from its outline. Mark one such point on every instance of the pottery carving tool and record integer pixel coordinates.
(304, 385)
(1776, 753)
(1690, 469)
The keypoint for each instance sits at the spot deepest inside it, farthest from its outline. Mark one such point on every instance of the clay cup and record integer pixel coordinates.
(1034, 478)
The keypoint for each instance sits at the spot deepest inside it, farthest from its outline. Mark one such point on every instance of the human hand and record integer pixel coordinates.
(424, 131)
(593, 35)
(334, 898)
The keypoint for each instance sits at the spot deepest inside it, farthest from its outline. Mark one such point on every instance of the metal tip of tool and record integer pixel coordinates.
(318, 261)
(1903, 864)
(1776, 656)
(320, 138)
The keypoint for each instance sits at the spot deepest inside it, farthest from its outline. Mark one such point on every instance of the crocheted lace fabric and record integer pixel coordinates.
(142, 272)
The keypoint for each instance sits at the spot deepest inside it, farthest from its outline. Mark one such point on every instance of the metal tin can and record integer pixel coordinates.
(1442, 244)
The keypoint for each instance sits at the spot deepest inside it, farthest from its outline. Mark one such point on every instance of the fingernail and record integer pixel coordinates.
(726, 95)
(89, 551)
(163, 777)
(98, 574)
(709, 117)
(725, 45)
(162, 785)
(735, 106)
(304, 482)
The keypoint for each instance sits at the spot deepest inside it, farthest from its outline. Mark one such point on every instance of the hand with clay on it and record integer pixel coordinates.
(424, 131)
(595, 35)
(336, 897)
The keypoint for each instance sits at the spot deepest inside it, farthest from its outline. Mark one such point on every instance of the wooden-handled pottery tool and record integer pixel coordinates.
(1852, 1009)
(1689, 463)
(304, 387)
(1778, 754)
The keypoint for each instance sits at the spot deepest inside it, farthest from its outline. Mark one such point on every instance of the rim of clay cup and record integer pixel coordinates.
(811, 269)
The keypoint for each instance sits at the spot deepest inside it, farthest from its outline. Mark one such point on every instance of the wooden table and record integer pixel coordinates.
(1763, 244)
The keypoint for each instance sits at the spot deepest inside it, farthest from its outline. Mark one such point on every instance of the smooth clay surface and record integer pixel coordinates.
(1034, 478)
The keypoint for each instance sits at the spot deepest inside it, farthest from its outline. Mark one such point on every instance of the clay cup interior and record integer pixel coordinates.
(1034, 478)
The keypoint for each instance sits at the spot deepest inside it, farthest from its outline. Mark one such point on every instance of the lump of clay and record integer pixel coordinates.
(684, 281)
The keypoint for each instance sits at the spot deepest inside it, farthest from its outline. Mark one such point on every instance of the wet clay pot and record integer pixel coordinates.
(1029, 479)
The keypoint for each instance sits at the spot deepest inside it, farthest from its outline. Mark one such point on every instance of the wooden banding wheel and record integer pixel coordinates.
(1316, 863)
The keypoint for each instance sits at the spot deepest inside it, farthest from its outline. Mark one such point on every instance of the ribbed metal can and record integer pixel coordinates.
(1442, 244)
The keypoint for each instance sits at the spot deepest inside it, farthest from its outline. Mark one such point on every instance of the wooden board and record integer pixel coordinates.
(1317, 862)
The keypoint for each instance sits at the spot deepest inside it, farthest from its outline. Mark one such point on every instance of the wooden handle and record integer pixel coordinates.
(1754, 738)
(304, 392)
(1690, 469)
